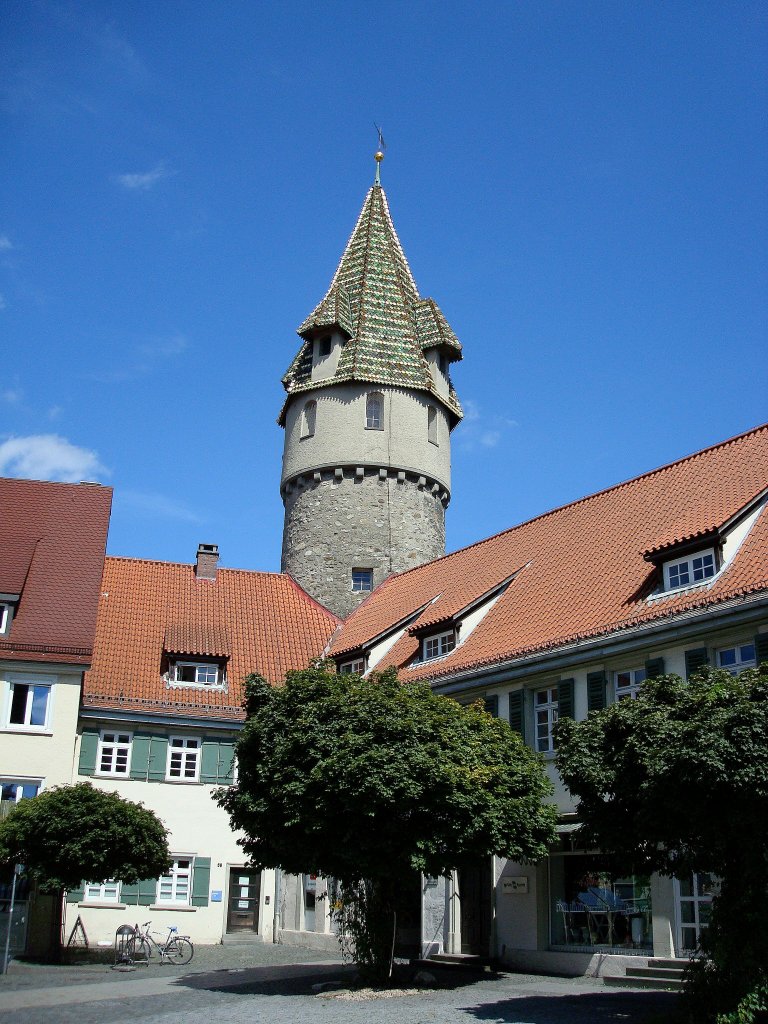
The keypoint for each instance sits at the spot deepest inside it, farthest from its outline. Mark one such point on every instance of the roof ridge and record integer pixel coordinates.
(588, 497)
(191, 565)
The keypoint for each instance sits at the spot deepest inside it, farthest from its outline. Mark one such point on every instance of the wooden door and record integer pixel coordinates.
(474, 884)
(243, 906)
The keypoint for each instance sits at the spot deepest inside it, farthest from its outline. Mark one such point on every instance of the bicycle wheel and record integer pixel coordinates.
(179, 951)
(139, 950)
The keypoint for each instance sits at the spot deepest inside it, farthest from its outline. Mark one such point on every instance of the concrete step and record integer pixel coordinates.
(679, 963)
(460, 961)
(663, 973)
(620, 981)
(242, 939)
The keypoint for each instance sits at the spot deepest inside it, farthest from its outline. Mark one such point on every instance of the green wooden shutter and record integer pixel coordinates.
(226, 763)
(761, 647)
(517, 711)
(158, 758)
(209, 762)
(140, 756)
(654, 667)
(147, 891)
(89, 745)
(201, 880)
(76, 895)
(492, 704)
(129, 894)
(565, 698)
(695, 659)
(595, 691)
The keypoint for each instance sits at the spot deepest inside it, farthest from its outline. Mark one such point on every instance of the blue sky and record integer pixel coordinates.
(580, 186)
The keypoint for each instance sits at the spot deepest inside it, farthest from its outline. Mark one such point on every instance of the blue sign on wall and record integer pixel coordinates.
(216, 896)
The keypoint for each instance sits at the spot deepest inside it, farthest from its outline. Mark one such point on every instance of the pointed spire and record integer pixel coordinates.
(373, 300)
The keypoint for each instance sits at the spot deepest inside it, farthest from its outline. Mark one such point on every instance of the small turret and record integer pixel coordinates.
(368, 415)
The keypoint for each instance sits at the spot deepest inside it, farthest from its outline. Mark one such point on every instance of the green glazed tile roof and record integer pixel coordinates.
(374, 301)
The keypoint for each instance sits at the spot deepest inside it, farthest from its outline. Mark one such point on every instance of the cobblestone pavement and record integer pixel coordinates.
(248, 985)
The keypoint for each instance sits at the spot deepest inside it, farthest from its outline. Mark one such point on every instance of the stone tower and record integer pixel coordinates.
(368, 416)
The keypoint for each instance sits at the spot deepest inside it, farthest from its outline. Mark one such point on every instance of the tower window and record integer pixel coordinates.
(324, 346)
(374, 411)
(308, 417)
(432, 424)
(362, 580)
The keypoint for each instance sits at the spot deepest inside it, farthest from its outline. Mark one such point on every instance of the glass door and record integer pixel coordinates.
(694, 907)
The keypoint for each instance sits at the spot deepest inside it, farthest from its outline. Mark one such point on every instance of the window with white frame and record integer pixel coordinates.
(102, 892)
(308, 419)
(432, 424)
(686, 572)
(354, 667)
(737, 658)
(374, 411)
(13, 790)
(29, 706)
(197, 673)
(183, 759)
(6, 616)
(438, 645)
(545, 714)
(627, 682)
(114, 756)
(362, 580)
(176, 885)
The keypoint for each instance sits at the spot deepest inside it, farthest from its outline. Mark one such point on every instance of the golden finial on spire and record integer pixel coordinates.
(378, 156)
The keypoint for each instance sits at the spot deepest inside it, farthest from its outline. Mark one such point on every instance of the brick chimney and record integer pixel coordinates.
(207, 561)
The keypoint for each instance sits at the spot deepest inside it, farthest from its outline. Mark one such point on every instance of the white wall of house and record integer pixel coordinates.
(39, 753)
(199, 828)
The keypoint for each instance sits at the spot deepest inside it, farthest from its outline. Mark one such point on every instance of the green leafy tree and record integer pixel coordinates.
(368, 780)
(71, 833)
(676, 782)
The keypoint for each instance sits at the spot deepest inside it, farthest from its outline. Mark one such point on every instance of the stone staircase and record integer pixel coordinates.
(658, 973)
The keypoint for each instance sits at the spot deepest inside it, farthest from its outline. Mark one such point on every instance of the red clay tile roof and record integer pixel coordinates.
(580, 568)
(52, 541)
(261, 622)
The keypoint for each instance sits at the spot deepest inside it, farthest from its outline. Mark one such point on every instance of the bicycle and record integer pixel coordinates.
(177, 949)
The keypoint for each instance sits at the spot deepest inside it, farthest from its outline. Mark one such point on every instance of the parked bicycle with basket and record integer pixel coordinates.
(177, 949)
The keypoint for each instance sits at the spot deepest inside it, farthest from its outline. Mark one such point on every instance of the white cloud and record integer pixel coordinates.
(54, 412)
(479, 431)
(5, 243)
(143, 181)
(12, 395)
(145, 359)
(156, 506)
(48, 457)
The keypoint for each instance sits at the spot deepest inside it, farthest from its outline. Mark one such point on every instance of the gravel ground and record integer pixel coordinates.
(248, 985)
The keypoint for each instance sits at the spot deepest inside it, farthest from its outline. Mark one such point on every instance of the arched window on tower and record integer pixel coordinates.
(432, 424)
(308, 417)
(374, 411)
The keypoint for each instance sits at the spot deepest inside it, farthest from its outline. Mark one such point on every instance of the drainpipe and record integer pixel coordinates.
(276, 910)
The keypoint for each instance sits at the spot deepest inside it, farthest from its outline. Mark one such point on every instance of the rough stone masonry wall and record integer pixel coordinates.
(333, 525)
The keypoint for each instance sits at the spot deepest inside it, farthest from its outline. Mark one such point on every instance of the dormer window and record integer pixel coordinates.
(438, 645)
(354, 667)
(207, 675)
(324, 346)
(688, 571)
(7, 609)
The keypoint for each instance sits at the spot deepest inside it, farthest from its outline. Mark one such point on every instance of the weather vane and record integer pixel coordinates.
(378, 156)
